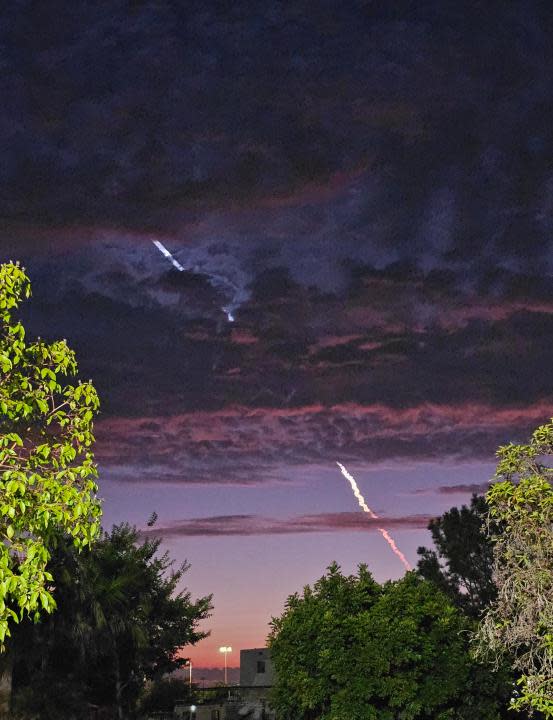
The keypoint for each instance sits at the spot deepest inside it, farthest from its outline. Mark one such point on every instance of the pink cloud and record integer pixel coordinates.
(248, 445)
(246, 525)
(489, 311)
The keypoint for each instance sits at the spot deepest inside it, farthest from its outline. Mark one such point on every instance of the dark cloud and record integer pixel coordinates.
(245, 525)
(397, 336)
(420, 131)
(478, 488)
(401, 364)
(459, 489)
(369, 188)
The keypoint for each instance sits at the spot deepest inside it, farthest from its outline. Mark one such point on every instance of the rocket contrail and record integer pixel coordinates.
(215, 280)
(363, 505)
(163, 250)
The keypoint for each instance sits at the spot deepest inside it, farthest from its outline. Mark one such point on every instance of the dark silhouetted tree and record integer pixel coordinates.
(121, 622)
(461, 562)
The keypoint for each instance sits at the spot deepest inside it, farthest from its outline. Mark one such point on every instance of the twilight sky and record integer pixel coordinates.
(366, 186)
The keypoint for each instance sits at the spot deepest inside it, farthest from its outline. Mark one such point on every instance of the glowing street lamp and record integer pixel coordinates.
(225, 650)
(189, 666)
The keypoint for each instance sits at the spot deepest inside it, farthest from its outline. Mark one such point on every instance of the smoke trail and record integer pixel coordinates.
(163, 250)
(214, 279)
(363, 505)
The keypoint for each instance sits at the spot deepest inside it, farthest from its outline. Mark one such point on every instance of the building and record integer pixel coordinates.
(256, 668)
(248, 701)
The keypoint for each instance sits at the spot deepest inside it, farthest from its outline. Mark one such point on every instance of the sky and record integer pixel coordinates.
(365, 188)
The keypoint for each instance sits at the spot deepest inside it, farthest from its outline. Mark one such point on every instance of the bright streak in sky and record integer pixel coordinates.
(163, 250)
(363, 505)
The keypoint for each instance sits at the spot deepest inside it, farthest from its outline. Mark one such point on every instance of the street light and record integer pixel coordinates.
(225, 650)
(189, 666)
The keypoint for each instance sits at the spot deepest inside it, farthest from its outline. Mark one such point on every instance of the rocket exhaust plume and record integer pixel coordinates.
(215, 280)
(163, 250)
(363, 505)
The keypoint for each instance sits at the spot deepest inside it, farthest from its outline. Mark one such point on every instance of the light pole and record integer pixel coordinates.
(225, 650)
(189, 666)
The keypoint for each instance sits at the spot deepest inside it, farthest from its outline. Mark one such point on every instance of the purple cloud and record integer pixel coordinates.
(245, 525)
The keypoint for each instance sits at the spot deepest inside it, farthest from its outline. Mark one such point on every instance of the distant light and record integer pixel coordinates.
(192, 708)
(225, 649)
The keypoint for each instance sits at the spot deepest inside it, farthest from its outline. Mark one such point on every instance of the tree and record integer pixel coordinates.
(121, 622)
(350, 649)
(462, 562)
(163, 695)
(47, 470)
(520, 621)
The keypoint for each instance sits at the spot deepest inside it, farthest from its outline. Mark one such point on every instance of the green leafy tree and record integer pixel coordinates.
(121, 622)
(461, 563)
(47, 470)
(520, 621)
(350, 649)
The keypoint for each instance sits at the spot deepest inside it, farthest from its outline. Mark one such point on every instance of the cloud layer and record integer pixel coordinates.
(245, 525)
(399, 363)
(370, 189)
(420, 128)
(246, 446)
